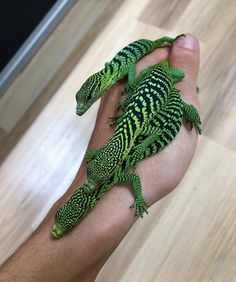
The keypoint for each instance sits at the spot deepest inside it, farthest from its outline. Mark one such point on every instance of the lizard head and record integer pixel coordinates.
(70, 214)
(65, 219)
(89, 92)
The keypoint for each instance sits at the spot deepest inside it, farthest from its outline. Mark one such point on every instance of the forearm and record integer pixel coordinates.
(83, 251)
(88, 245)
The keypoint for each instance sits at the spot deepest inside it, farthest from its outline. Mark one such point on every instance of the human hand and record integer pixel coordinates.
(111, 219)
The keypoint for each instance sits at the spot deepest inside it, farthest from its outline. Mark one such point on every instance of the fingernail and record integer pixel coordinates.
(187, 41)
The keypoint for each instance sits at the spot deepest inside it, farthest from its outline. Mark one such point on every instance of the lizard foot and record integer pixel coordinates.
(114, 120)
(140, 206)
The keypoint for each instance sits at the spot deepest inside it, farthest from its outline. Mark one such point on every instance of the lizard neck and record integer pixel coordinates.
(108, 78)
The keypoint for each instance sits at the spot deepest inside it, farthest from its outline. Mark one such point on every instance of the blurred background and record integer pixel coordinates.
(48, 49)
(18, 19)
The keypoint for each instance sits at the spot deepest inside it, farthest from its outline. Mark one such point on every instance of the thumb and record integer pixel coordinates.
(184, 55)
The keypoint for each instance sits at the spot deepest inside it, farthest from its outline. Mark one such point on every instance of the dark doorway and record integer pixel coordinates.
(18, 18)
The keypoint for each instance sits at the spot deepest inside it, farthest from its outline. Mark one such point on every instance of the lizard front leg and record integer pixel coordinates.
(140, 205)
(138, 151)
(191, 114)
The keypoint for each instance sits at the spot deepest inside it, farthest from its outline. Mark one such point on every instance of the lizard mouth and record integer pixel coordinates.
(57, 231)
(80, 109)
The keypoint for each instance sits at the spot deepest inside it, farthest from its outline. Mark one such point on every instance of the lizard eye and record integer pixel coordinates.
(89, 96)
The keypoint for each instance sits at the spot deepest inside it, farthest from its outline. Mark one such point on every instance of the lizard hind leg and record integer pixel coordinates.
(140, 205)
(138, 152)
(131, 73)
(129, 88)
(91, 154)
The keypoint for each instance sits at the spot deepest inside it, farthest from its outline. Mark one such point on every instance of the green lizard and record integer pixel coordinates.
(149, 97)
(96, 85)
(169, 120)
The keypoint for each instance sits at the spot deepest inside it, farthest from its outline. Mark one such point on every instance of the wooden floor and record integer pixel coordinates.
(191, 234)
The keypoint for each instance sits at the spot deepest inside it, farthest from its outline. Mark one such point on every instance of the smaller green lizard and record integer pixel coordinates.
(96, 85)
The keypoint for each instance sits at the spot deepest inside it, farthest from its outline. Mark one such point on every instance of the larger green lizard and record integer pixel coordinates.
(169, 120)
(149, 97)
(96, 85)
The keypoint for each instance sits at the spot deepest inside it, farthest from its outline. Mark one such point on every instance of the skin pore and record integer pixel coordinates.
(80, 254)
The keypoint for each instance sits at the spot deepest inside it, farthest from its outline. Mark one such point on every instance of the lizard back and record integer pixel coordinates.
(149, 97)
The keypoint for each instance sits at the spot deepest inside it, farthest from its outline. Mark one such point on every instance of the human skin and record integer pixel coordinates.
(80, 254)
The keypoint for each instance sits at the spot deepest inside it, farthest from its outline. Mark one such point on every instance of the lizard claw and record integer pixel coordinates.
(140, 206)
(178, 36)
